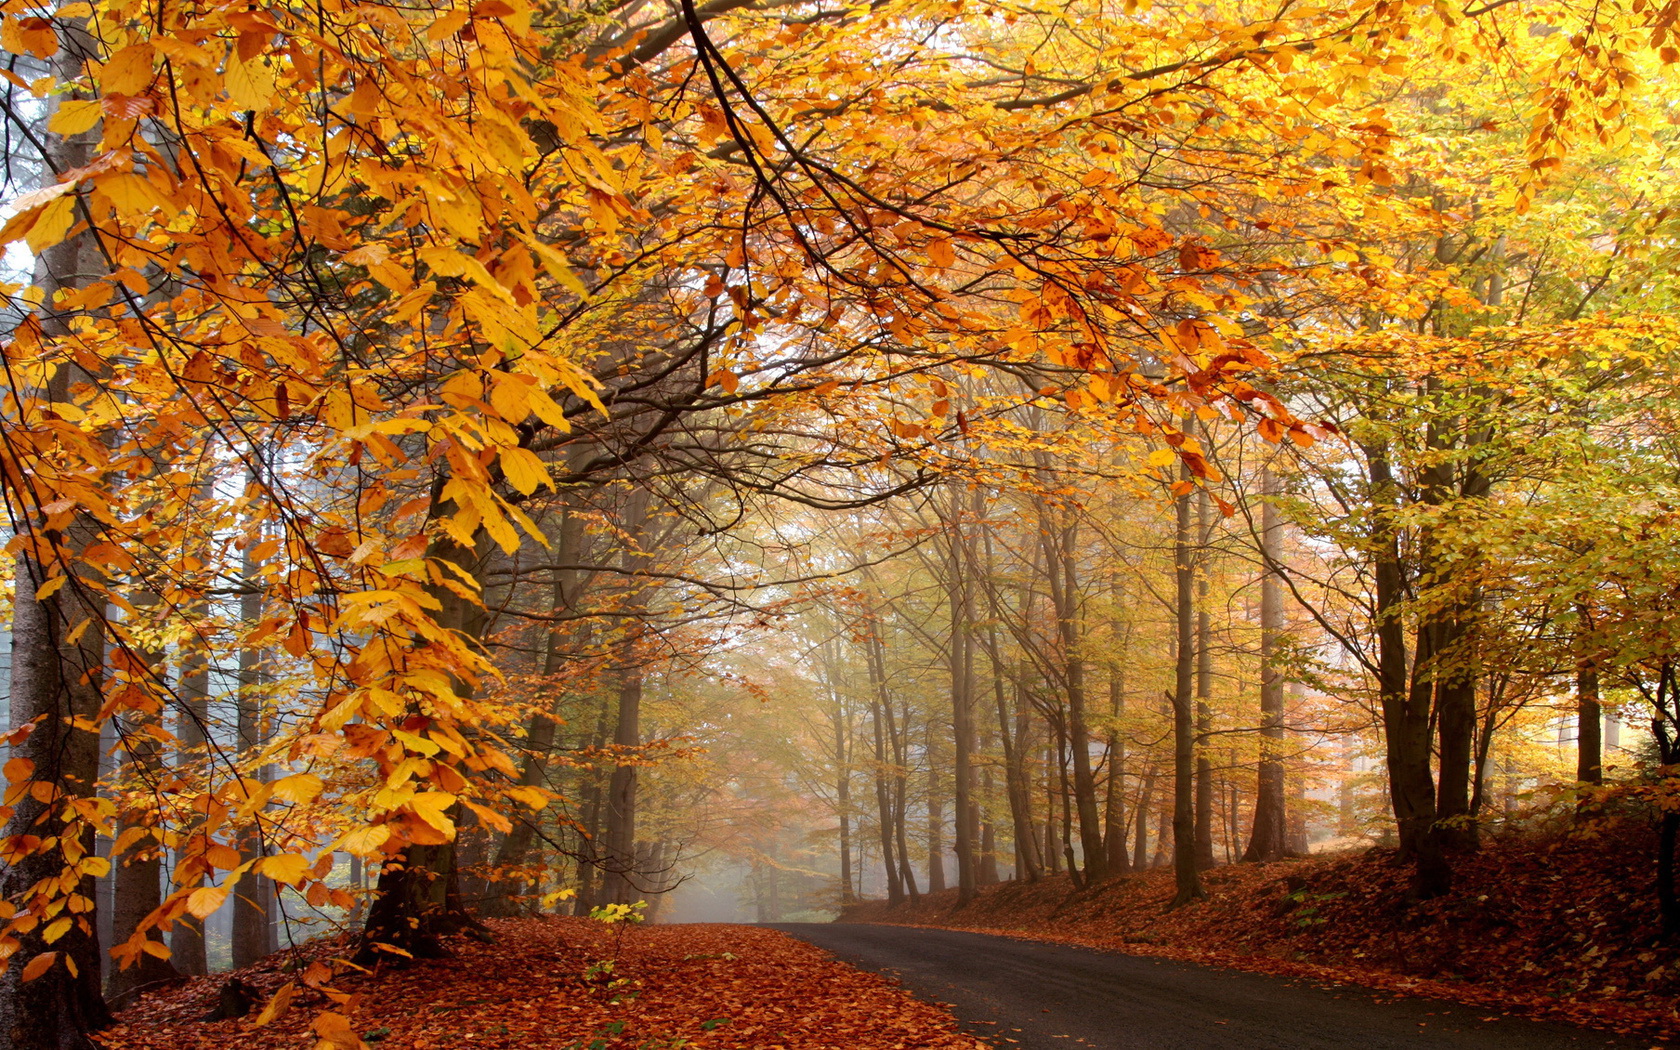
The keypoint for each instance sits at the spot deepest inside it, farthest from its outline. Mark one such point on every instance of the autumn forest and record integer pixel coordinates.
(467, 464)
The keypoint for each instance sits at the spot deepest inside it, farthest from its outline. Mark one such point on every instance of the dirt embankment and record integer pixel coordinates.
(1556, 925)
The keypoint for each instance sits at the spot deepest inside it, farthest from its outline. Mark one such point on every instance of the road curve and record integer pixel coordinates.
(1027, 995)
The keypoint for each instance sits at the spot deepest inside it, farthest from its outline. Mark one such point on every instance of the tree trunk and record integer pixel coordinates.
(589, 847)
(1589, 718)
(138, 874)
(1114, 806)
(541, 728)
(843, 793)
(960, 596)
(1060, 566)
(1140, 843)
(1016, 782)
(898, 739)
(619, 840)
(58, 655)
(254, 896)
(883, 792)
(1267, 838)
(1406, 715)
(1187, 881)
(936, 820)
(187, 949)
(1204, 680)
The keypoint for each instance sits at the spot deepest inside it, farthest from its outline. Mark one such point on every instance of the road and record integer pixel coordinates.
(1025, 995)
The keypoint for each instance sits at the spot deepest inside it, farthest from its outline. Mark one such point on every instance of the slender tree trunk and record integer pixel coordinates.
(1204, 680)
(1140, 844)
(883, 791)
(187, 948)
(254, 897)
(619, 841)
(1187, 881)
(843, 792)
(1589, 719)
(138, 874)
(960, 595)
(935, 820)
(987, 872)
(1052, 855)
(1267, 838)
(1060, 563)
(1016, 783)
(589, 848)
(899, 740)
(1114, 807)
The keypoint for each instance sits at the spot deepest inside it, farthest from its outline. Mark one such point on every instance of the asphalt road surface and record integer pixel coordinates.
(1023, 995)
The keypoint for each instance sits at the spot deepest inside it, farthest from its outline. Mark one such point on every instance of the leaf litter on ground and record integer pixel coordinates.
(545, 984)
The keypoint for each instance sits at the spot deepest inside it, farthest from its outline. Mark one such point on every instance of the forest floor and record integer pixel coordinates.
(543, 985)
(1560, 926)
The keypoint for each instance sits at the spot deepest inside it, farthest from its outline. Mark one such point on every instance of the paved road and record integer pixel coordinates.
(1022, 995)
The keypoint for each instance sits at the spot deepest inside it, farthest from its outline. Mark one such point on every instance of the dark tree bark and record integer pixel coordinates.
(1589, 720)
(1114, 804)
(187, 949)
(514, 851)
(1060, 542)
(254, 898)
(589, 846)
(1406, 714)
(1186, 878)
(883, 762)
(1267, 838)
(960, 595)
(936, 819)
(138, 875)
(1204, 680)
(58, 657)
(619, 839)
(1140, 841)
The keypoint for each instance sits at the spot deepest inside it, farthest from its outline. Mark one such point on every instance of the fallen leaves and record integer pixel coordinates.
(540, 986)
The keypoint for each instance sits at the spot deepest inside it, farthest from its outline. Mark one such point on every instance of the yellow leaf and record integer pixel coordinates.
(288, 868)
(75, 116)
(56, 929)
(533, 797)
(277, 1005)
(364, 840)
(203, 902)
(129, 71)
(250, 85)
(17, 769)
(525, 470)
(299, 788)
(509, 399)
(50, 588)
(1162, 457)
(134, 196)
(51, 225)
(430, 806)
(448, 25)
